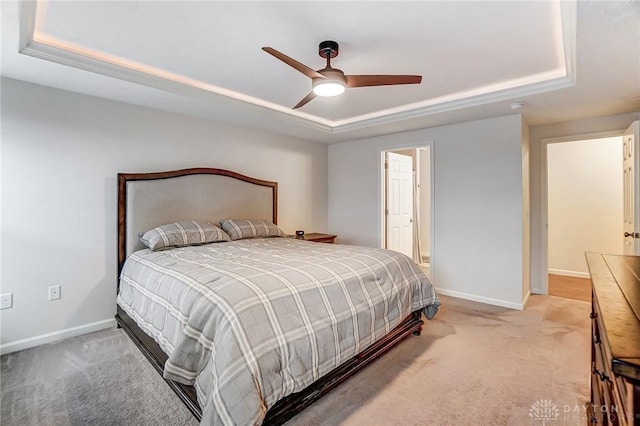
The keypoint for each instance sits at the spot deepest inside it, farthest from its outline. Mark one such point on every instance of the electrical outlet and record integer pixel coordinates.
(6, 301)
(54, 292)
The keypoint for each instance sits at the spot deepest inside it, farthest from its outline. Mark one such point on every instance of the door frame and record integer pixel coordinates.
(635, 130)
(381, 197)
(544, 191)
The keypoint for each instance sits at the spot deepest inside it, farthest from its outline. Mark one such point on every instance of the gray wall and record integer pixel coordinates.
(478, 204)
(60, 155)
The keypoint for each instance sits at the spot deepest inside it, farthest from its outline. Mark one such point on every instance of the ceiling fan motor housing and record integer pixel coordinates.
(328, 48)
(333, 74)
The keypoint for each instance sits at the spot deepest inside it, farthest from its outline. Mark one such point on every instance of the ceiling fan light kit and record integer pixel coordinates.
(328, 88)
(330, 81)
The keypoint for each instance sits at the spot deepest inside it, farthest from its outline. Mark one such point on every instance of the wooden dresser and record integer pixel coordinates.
(615, 340)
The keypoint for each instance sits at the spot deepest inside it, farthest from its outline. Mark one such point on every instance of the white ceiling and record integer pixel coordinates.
(566, 60)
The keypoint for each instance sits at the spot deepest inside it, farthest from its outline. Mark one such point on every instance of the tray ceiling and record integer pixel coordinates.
(207, 55)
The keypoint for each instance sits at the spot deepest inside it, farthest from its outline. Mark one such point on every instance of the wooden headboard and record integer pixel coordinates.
(147, 200)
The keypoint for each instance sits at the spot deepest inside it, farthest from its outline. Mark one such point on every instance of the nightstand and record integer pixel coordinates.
(318, 238)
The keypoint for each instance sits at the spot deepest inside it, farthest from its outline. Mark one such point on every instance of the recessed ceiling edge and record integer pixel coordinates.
(46, 48)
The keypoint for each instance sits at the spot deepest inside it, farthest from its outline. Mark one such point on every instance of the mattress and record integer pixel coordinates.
(249, 322)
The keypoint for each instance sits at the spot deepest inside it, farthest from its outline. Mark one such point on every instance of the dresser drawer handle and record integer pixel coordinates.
(602, 375)
(593, 315)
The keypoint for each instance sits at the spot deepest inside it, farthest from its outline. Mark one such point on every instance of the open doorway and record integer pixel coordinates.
(407, 200)
(584, 210)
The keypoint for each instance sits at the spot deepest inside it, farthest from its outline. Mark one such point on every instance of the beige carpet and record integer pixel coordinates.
(473, 365)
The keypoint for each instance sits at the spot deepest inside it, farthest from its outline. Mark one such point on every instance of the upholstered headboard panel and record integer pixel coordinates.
(147, 200)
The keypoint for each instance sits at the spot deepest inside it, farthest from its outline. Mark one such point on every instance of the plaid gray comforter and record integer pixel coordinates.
(251, 321)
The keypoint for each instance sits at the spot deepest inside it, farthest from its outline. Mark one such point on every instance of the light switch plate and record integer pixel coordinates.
(6, 301)
(54, 292)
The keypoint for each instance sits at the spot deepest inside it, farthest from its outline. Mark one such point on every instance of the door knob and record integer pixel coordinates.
(632, 234)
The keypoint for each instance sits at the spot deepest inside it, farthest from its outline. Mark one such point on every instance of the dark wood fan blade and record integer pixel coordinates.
(293, 63)
(381, 80)
(305, 100)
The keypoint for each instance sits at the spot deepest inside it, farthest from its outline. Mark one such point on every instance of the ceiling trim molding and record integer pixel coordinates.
(569, 19)
(567, 9)
(48, 48)
(451, 103)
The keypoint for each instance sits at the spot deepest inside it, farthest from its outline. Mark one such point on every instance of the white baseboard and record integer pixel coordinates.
(538, 290)
(44, 339)
(481, 299)
(570, 273)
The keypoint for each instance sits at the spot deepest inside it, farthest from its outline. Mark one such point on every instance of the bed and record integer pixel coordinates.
(255, 329)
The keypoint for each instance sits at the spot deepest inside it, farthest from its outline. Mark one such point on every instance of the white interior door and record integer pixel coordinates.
(400, 203)
(631, 184)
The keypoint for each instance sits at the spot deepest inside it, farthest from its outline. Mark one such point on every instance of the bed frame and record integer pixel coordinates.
(147, 200)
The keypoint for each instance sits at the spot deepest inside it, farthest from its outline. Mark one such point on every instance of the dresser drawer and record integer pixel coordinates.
(594, 412)
(607, 407)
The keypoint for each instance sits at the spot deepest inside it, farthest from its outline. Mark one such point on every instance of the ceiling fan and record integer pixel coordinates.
(331, 81)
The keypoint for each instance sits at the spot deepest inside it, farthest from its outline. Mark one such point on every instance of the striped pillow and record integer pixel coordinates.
(179, 234)
(239, 229)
